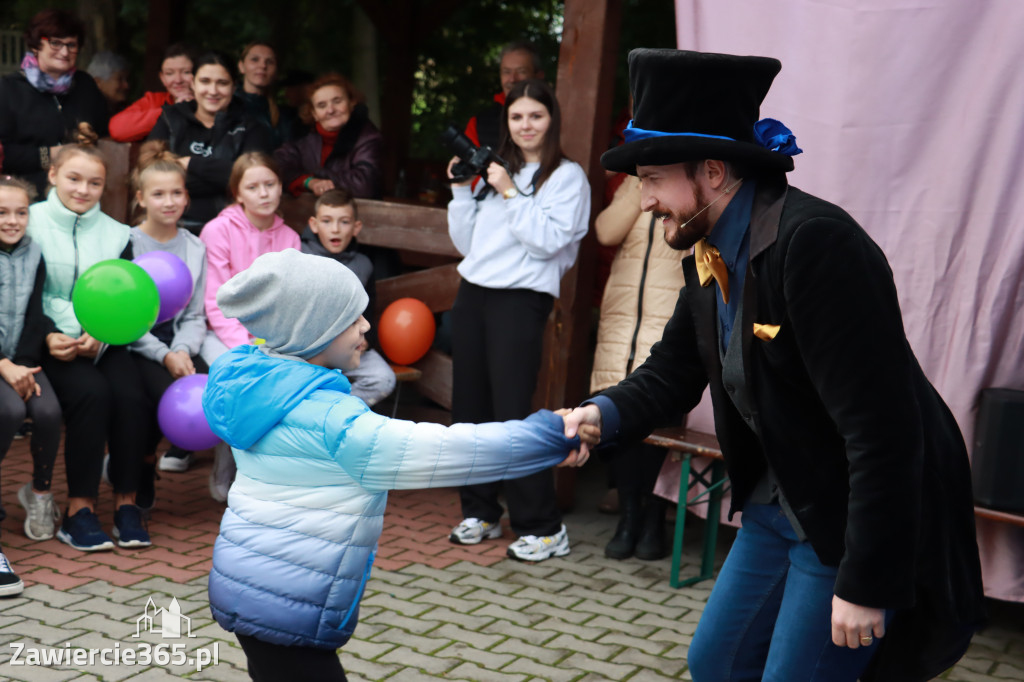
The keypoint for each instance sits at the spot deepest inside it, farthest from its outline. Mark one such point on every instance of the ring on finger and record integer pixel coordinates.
(866, 640)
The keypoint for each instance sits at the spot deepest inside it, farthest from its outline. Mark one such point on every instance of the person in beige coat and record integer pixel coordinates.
(641, 293)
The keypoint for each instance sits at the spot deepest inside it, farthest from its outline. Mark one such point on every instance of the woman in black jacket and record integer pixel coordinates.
(209, 133)
(45, 103)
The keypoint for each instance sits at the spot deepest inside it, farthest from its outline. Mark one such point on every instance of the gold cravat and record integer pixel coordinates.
(711, 266)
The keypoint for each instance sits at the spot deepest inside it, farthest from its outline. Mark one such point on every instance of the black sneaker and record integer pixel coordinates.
(24, 430)
(84, 532)
(130, 528)
(10, 583)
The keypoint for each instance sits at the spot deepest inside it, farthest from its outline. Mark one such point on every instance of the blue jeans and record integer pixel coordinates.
(769, 613)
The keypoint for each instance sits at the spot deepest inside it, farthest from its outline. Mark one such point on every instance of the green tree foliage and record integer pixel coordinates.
(458, 65)
(457, 70)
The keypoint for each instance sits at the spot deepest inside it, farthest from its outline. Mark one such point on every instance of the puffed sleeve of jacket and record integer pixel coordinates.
(136, 121)
(394, 454)
(192, 325)
(218, 270)
(615, 221)
(462, 218)
(359, 173)
(551, 219)
(289, 161)
(37, 324)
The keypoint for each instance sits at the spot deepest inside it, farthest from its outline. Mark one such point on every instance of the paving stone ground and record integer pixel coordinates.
(431, 610)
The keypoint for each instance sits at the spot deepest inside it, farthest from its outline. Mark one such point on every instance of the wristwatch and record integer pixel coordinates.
(510, 193)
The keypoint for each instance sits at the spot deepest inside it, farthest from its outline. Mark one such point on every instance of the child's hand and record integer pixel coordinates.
(88, 347)
(62, 347)
(179, 364)
(589, 434)
(22, 379)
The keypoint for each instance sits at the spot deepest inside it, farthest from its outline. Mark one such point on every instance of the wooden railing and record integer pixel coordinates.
(12, 49)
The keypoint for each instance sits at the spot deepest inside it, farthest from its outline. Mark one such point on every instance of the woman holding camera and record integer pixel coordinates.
(518, 233)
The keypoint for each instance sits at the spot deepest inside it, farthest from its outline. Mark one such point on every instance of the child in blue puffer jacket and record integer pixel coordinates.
(315, 464)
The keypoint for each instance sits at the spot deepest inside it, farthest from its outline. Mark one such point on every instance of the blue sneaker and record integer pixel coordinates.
(129, 528)
(83, 532)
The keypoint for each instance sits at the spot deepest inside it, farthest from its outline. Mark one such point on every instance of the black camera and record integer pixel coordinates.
(474, 160)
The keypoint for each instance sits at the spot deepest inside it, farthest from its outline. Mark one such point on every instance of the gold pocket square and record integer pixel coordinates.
(766, 332)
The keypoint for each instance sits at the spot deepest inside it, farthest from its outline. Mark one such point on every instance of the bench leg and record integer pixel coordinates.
(707, 567)
(398, 394)
(707, 564)
(677, 542)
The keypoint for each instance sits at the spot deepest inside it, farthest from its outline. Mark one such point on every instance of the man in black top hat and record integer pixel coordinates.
(857, 557)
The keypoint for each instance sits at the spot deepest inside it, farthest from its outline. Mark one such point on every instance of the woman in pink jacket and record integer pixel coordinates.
(239, 234)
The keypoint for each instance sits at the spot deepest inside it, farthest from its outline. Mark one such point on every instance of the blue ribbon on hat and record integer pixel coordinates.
(769, 133)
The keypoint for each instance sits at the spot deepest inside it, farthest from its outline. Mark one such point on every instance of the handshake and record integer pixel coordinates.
(586, 423)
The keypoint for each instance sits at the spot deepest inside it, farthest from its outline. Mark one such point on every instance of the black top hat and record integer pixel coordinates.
(690, 106)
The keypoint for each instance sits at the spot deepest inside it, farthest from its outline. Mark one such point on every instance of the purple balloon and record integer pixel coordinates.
(180, 414)
(173, 281)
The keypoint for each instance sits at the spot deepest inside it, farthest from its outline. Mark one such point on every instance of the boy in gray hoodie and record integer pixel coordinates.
(332, 232)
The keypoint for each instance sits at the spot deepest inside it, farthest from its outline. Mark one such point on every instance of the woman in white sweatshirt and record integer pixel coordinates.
(518, 233)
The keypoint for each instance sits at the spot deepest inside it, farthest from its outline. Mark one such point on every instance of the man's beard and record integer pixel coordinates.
(693, 225)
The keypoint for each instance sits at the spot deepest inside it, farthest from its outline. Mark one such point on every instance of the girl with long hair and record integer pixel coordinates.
(518, 233)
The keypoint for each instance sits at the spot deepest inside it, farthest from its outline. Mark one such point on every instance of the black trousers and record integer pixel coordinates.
(635, 469)
(100, 407)
(497, 339)
(274, 662)
(146, 388)
(45, 413)
(107, 405)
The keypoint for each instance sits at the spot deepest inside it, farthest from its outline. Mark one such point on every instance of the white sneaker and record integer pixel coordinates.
(534, 548)
(175, 460)
(223, 473)
(41, 513)
(472, 531)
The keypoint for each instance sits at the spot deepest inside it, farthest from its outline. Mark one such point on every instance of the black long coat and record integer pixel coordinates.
(865, 451)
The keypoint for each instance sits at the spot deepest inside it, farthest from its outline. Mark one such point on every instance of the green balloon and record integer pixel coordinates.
(116, 301)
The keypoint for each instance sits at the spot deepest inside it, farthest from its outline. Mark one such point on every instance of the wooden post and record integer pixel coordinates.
(163, 27)
(586, 75)
(586, 81)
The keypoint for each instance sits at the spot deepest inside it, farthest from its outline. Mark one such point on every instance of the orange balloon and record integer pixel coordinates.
(406, 330)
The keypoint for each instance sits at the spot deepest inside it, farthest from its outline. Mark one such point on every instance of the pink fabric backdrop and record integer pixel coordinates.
(911, 117)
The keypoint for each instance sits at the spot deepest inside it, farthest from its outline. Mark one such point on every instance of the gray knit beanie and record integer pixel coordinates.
(298, 302)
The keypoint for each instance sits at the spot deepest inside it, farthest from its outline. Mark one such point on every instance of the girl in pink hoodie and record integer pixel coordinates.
(241, 232)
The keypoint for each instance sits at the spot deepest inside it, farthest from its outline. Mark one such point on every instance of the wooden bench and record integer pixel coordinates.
(995, 515)
(402, 375)
(684, 443)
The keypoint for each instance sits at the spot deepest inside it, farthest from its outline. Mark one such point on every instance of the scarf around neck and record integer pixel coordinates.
(43, 82)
